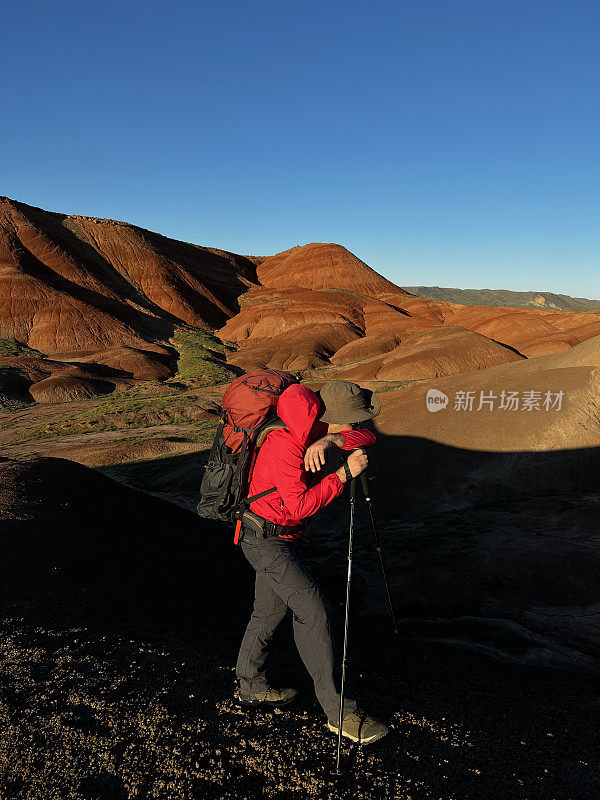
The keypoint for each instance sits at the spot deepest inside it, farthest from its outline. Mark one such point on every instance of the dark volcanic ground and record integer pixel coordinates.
(121, 617)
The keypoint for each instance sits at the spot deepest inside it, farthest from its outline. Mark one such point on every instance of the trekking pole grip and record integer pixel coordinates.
(352, 489)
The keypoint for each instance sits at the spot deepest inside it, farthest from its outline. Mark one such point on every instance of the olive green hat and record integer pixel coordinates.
(347, 402)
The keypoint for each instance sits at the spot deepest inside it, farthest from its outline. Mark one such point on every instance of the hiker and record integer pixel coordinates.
(271, 531)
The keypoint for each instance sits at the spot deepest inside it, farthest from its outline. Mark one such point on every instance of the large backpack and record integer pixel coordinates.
(249, 413)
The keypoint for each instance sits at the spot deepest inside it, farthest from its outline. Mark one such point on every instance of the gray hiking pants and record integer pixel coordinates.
(281, 583)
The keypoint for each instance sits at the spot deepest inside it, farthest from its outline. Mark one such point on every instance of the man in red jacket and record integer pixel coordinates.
(271, 531)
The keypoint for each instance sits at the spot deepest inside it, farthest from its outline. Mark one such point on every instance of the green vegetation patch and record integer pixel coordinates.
(11, 348)
(390, 386)
(243, 300)
(345, 291)
(201, 358)
(120, 413)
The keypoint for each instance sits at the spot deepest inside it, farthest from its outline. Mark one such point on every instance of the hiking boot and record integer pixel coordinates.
(271, 698)
(359, 727)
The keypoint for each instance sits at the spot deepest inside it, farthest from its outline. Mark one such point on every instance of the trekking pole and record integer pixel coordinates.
(337, 770)
(365, 487)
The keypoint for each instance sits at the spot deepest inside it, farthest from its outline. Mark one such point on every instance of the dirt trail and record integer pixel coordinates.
(43, 429)
(56, 444)
(90, 712)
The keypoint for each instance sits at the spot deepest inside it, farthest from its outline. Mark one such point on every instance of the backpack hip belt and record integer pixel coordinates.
(264, 528)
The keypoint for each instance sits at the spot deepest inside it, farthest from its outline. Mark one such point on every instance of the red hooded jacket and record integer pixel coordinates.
(280, 461)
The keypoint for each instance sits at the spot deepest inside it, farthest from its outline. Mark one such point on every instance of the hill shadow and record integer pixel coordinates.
(14, 388)
(119, 606)
(497, 550)
(141, 322)
(424, 475)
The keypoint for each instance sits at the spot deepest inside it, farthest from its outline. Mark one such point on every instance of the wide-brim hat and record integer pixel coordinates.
(345, 401)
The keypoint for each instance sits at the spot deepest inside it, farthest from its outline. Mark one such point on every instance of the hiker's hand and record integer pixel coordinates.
(314, 458)
(357, 463)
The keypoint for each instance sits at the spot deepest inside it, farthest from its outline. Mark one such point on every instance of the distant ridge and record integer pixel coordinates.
(505, 297)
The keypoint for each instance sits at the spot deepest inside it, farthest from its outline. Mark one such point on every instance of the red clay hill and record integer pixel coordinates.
(82, 289)
(88, 305)
(321, 310)
(323, 266)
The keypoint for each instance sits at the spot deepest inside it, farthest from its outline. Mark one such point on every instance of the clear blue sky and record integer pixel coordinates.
(449, 142)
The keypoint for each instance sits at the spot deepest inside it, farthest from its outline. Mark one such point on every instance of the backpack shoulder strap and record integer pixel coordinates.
(273, 425)
(254, 497)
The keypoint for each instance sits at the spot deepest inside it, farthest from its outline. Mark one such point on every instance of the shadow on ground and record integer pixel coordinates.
(122, 614)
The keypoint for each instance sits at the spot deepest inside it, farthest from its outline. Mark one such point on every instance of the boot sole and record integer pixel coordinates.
(359, 739)
(266, 703)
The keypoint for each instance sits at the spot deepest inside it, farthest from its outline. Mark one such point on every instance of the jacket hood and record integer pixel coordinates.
(298, 407)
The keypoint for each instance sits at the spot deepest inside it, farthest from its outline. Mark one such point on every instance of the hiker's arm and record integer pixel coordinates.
(350, 440)
(314, 457)
(300, 500)
(362, 437)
